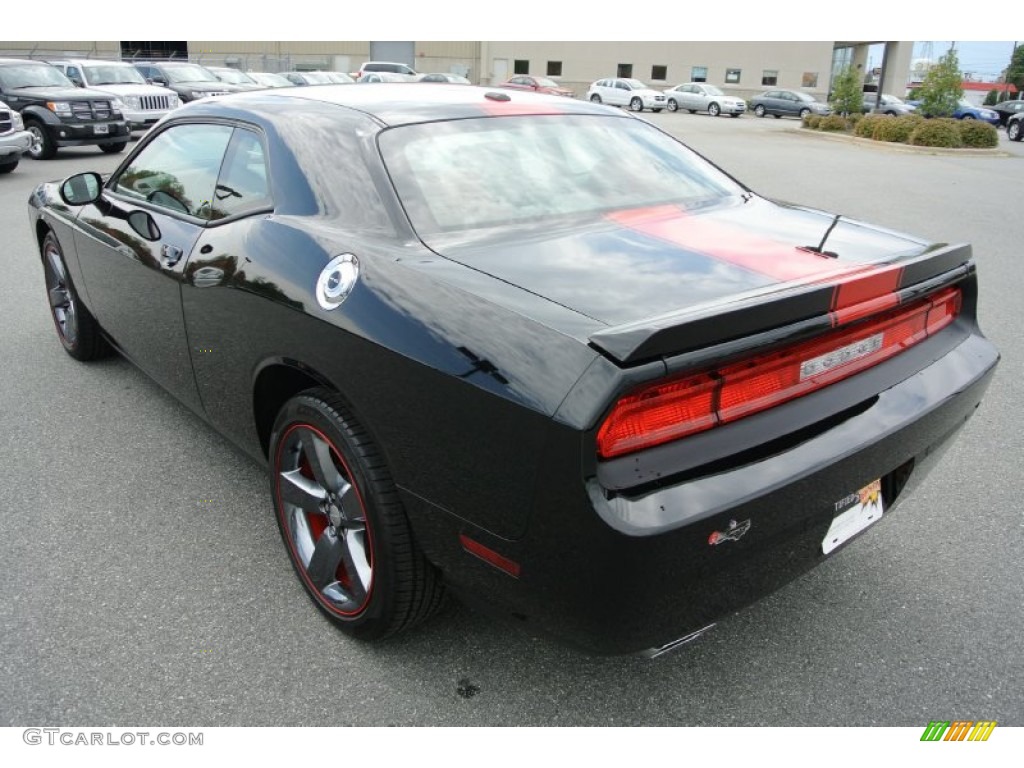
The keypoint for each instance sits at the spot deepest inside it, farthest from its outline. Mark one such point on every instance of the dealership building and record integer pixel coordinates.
(741, 68)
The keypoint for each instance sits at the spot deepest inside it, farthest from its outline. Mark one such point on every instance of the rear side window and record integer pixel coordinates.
(243, 185)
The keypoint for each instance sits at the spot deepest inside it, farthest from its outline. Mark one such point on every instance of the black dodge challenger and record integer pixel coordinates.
(529, 350)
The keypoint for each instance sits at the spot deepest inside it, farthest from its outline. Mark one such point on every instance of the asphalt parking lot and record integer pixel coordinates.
(144, 580)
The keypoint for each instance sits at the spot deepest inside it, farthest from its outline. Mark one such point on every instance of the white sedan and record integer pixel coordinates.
(626, 92)
(704, 97)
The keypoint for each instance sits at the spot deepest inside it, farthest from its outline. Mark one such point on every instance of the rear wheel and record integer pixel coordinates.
(343, 523)
(77, 330)
(113, 149)
(43, 147)
(636, 104)
(714, 110)
(759, 110)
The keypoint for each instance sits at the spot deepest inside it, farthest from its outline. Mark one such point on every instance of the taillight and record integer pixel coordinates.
(683, 406)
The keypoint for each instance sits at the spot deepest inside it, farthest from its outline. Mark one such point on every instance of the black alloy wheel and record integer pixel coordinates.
(343, 523)
(78, 332)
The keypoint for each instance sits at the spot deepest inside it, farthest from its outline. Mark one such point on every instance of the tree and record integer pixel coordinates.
(1015, 72)
(942, 89)
(847, 92)
(993, 97)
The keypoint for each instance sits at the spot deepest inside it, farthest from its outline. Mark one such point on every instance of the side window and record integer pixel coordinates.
(243, 184)
(178, 169)
(73, 72)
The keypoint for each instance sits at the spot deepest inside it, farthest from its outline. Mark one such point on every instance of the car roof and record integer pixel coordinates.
(14, 62)
(405, 103)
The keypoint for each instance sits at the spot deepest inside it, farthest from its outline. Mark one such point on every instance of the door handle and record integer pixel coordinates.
(169, 255)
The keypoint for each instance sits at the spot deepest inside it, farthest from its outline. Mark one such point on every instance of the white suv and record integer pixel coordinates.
(143, 104)
(386, 66)
(626, 92)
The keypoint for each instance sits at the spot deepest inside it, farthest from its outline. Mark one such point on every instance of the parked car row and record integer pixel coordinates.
(46, 105)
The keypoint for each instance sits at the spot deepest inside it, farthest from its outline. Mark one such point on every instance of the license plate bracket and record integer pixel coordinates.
(854, 513)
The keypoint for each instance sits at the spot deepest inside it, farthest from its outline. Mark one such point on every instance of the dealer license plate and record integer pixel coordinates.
(853, 514)
(99, 130)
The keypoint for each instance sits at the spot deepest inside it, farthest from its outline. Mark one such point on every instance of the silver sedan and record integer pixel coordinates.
(704, 97)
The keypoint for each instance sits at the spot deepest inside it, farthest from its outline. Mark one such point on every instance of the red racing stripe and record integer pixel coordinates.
(729, 243)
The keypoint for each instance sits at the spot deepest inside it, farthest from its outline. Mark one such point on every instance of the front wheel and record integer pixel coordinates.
(636, 104)
(672, 106)
(77, 330)
(596, 99)
(342, 521)
(804, 113)
(968, 117)
(1013, 131)
(113, 149)
(714, 110)
(43, 147)
(759, 110)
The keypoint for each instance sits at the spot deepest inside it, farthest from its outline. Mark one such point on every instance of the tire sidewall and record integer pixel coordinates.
(47, 273)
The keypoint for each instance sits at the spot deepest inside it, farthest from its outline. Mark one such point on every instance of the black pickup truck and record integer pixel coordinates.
(57, 113)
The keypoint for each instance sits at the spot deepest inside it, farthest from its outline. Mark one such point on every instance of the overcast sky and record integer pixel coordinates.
(980, 58)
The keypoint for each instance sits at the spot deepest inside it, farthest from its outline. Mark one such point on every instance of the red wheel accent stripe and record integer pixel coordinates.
(288, 540)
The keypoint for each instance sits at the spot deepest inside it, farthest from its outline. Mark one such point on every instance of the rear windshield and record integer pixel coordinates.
(488, 172)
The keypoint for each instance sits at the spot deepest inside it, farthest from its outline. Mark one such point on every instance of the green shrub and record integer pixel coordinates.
(938, 132)
(865, 127)
(855, 118)
(833, 123)
(895, 129)
(992, 97)
(811, 121)
(975, 133)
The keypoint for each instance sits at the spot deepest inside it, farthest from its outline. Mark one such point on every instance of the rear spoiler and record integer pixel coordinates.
(846, 294)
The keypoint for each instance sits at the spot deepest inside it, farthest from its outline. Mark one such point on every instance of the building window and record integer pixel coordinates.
(554, 69)
(810, 80)
(699, 75)
(521, 67)
(768, 77)
(625, 70)
(659, 72)
(732, 76)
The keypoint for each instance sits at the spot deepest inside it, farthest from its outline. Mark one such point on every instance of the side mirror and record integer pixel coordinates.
(81, 189)
(144, 225)
(159, 81)
(78, 81)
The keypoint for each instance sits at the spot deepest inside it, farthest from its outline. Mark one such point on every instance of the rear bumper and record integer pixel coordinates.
(616, 574)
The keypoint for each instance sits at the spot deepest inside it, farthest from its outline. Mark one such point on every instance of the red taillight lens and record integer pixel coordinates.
(680, 407)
